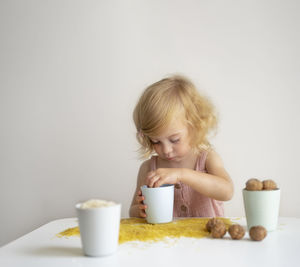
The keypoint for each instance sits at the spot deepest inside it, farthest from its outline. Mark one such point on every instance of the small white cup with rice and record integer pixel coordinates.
(99, 225)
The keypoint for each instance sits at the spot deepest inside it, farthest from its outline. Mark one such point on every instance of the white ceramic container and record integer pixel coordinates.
(99, 229)
(160, 202)
(262, 208)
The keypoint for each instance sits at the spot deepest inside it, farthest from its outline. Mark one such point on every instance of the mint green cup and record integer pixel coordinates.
(262, 208)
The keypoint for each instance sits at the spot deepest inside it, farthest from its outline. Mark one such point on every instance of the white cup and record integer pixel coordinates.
(160, 202)
(262, 208)
(99, 229)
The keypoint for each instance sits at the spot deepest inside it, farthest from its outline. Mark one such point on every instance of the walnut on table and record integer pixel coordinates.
(236, 231)
(218, 230)
(257, 233)
(211, 223)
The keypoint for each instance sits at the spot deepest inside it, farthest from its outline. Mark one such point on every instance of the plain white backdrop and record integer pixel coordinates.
(72, 71)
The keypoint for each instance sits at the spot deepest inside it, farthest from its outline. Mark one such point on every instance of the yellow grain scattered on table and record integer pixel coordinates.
(137, 229)
(69, 232)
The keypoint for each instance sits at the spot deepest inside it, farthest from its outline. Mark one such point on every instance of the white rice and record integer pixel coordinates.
(96, 203)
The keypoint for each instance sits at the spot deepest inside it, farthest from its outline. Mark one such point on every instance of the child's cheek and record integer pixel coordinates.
(155, 149)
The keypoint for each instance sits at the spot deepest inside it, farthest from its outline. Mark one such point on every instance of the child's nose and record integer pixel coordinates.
(167, 148)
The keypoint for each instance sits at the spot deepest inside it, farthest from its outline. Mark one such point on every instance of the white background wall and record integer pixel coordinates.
(71, 73)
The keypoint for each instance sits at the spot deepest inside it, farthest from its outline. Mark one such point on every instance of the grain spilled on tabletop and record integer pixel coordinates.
(137, 229)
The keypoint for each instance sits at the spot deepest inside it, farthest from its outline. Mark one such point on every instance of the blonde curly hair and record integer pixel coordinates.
(173, 97)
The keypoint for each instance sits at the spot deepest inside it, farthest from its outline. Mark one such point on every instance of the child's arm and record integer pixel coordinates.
(216, 183)
(137, 208)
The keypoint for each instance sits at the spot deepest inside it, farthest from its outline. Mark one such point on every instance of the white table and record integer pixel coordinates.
(42, 248)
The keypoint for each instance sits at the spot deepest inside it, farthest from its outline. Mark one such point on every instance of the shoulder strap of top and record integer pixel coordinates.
(153, 163)
(200, 166)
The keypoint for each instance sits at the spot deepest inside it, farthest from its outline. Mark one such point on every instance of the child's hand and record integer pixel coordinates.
(140, 198)
(163, 176)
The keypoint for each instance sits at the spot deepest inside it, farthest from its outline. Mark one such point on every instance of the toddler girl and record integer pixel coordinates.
(173, 121)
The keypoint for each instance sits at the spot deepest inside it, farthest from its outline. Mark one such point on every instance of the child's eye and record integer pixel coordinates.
(155, 142)
(175, 141)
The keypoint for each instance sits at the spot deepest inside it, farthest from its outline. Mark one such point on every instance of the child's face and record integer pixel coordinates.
(174, 143)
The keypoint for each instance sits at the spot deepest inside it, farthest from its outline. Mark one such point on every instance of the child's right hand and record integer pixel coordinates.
(141, 206)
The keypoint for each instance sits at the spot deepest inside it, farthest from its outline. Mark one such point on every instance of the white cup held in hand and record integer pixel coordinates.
(160, 202)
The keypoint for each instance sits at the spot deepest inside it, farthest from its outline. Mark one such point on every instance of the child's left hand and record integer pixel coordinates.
(163, 176)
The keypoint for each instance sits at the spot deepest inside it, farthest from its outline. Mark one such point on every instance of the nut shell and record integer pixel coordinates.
(254, 185)
(269, 185)
(236, 231)
(257, 233)
(218, 230)
(211, 223)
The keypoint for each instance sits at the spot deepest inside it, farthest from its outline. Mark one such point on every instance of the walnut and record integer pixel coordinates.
(211, 223)
(218, 230)
(269, 185)
(257, 233)
(254, 185)
(236, 231)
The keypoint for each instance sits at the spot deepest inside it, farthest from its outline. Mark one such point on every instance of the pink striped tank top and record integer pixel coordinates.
(188, 202)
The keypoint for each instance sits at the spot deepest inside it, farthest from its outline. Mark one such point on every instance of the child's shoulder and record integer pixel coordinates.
(213, 158)
(144, 169)
(145, 166)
